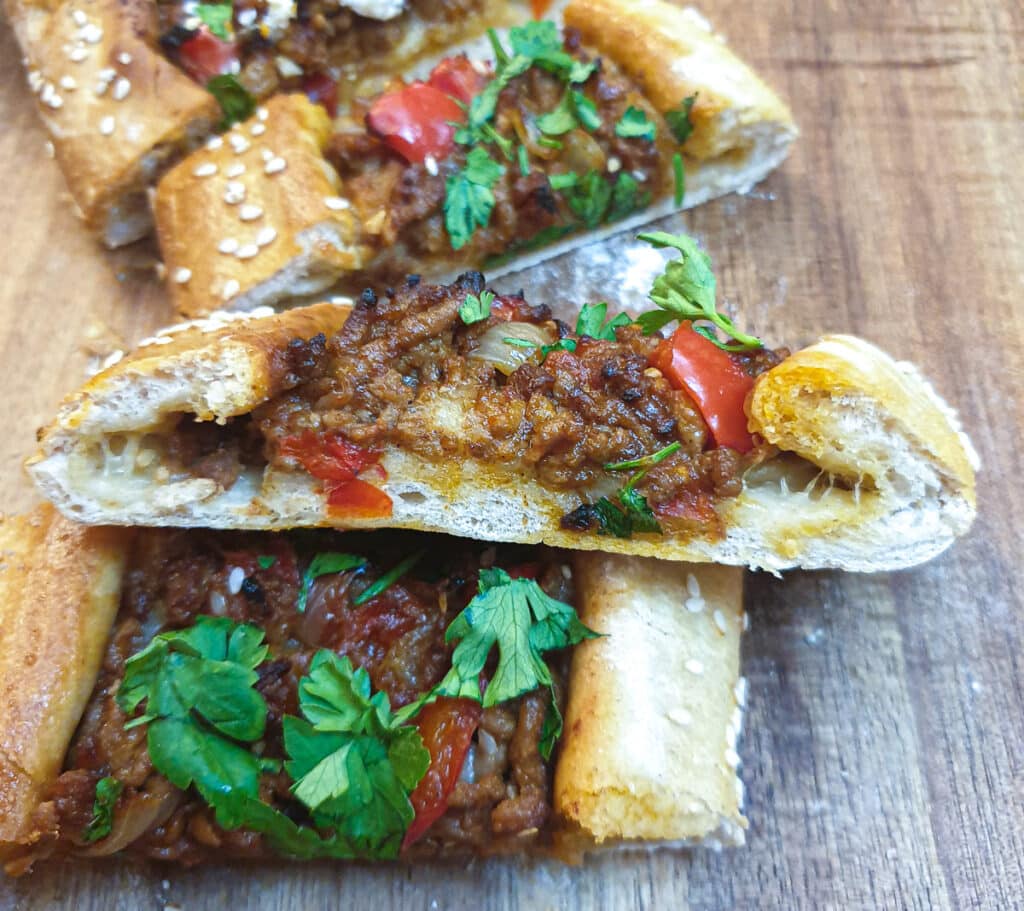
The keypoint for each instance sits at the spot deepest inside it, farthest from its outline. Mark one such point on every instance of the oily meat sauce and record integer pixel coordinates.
(398, 637)
(562, 418)
(404, 202)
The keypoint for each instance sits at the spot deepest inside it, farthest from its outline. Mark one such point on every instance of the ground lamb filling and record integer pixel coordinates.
(399, 360)
(502, 798)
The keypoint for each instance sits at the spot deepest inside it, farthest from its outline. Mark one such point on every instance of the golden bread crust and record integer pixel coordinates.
(60, 587)
(671, 55)
(268, 198)
(115, 108)
(649, 750)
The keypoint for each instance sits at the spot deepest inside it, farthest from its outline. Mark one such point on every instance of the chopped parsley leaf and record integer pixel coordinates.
(469, 196)
(645, 461)
(524, 161)
(680, 178)
(563, 344)
(234, 99)
(265, 561)
(591, 322)
(563, 181)
(634, 124)
(390, 577)
(476, 309)
(325, 564)
(627, 197)
(217, 17)
(679, 121)
(107, 791)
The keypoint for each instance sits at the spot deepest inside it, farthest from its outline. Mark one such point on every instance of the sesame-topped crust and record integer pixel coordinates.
(60, 589)
(116, 110)
(274, 218)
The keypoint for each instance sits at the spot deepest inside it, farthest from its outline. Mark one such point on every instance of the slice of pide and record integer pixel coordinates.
(116, 110)
(308, 696)
(652, 755)
(446, 408)
(272, 221)
(496, 159)
(59, 591)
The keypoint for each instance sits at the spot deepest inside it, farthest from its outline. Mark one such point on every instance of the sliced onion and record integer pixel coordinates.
(508, 358)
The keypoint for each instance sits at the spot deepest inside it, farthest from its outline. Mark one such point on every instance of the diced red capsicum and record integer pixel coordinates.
(205, 55)
(714, 380)
(416, 120)
(447, 727)
(337, 462)
(322, 90)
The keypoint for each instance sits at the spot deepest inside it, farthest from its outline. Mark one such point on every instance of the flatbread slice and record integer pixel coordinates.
(668, 119)
(410, 418)
(273, 623)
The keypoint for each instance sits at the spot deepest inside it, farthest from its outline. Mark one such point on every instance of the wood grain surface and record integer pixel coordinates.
(884, 747)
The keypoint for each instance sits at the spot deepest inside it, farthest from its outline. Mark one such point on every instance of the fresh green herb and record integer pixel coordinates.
(680, 178)
(469, 196)
(631, 514)
(634, 124)
(107, 791)
(500, 54)
(203, 711)
(563, 344)
(353, 762)
(201, 704)
(217, 17)
(541, 44)
(476, 309)
(645, 461)
(235, 102)
(563, 181)
(686, 291)
(627, 197)
(679, 121)
(561, 120)
(524, 161)
(548, 143)
(324, 565)
(589, 199)
(265, 561)
(523, 622)
(586, 111)
(390, 577)
(591, 322)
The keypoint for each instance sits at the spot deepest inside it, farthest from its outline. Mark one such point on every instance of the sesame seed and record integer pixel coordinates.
(228, 246)
(234, 192)
(732, 757)
(248, 251)
(101, 87)
(47, 93)
(694, 605)
(55, 101)
(231, 288)
(694, 666)
(566, 571)
(91, 33)
(719, 619)
(692, 586)
(430, 163)
(746, 621)
(107, 125)
(206, 169)
(121, 89)
(740, 691)
(266, 154)
(614, 165)
(275, 166)
(247, 17)
(35, 80)
(336, 203)
(258, 129)
(239, 144)
(235, 169)
(262, 113)
(250, 213)
(235, 580)
(124, 58)
(107, 74)
(112, 359)
(480, 66)
(266, 236)
(68, 82)
(182, 275)
(50, 151)
(79, 17)
(640, 177)
(192, 23)
(78, 54)
(214, 142)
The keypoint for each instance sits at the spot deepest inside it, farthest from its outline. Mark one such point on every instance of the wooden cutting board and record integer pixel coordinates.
(883, 743)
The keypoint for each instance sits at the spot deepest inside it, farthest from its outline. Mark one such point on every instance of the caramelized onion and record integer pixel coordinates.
(144, 811)
(508, 358)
